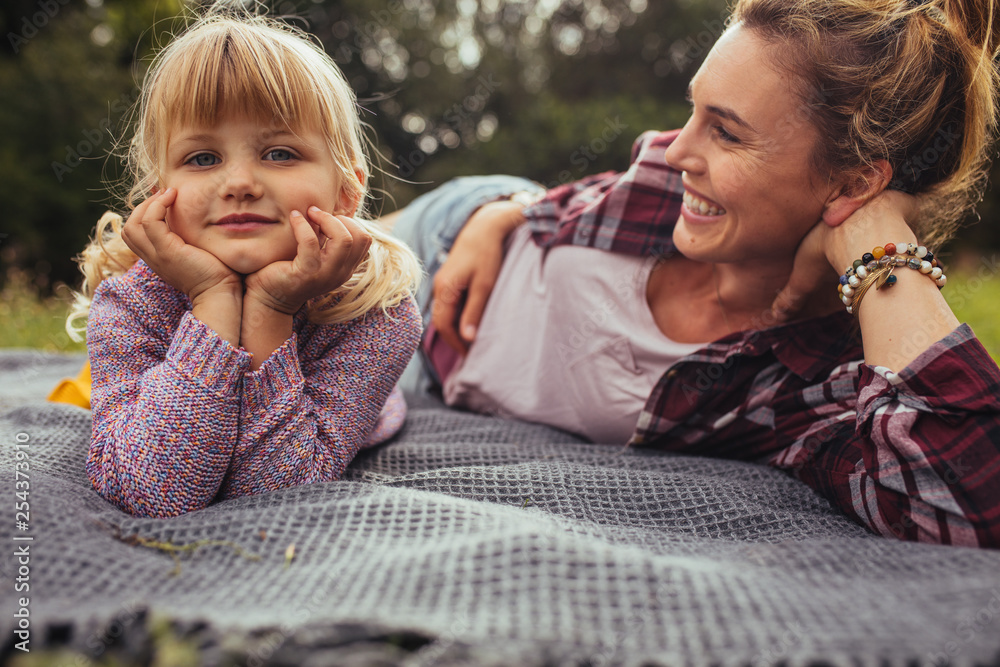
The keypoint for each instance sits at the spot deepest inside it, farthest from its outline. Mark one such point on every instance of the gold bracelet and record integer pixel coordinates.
(878, 277)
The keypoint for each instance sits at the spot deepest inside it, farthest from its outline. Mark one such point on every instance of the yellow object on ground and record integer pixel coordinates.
(75, 391)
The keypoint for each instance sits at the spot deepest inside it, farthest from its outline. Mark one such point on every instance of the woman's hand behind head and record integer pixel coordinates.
(827, 251)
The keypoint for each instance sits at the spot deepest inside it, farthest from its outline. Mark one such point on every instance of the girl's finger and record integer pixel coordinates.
(362, 239)
(139, 212)
(134, 232)
(358, 232)
(308, 251)
(360, 242)
(135, 238)
(159, 203)
(330, 227)
(154, 222)
(302, 228)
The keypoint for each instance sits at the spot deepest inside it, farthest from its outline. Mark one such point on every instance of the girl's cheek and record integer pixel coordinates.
(181, 206)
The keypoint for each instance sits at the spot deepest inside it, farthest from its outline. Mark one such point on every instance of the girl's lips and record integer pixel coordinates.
(242, 226)
(242, 222)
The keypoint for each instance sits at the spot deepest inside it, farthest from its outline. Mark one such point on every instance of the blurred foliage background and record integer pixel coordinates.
(548, 89)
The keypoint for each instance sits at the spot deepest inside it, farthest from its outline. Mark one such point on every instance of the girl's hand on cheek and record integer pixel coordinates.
(330, 248)
(189, 269)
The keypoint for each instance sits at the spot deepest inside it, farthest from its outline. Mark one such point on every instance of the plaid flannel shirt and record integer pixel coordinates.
(913, 454)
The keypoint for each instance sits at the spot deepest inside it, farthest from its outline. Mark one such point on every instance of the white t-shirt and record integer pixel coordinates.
(567, 339)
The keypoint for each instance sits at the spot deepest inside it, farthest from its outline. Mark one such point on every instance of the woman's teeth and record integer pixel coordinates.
(699, 206)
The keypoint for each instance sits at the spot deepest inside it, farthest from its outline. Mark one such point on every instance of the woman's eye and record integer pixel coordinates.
(726, 136)
(203, 160)
(279, 155)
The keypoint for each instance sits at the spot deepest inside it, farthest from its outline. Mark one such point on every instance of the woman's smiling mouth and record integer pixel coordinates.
(700, 206)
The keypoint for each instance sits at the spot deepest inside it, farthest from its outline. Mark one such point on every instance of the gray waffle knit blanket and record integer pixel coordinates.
(477, 541)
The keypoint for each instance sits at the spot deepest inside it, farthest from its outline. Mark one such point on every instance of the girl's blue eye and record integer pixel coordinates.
(203, 160)
(279, 155)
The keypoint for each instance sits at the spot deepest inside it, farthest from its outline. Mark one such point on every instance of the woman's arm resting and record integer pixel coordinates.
(920, 457)
(463, 284)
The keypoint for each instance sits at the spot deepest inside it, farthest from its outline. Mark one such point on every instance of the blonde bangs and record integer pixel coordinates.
(253, 67)
(225, 68)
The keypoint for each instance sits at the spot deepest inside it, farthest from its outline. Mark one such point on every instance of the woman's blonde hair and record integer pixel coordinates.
(909, 82)
(234, 60)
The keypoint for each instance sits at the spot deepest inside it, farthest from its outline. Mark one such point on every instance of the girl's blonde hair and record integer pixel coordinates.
(236, 61)
(911, 82)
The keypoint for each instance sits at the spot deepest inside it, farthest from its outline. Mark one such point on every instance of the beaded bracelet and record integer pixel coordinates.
(876, 267)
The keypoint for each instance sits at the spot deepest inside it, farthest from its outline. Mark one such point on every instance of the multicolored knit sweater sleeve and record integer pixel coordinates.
(180, 419)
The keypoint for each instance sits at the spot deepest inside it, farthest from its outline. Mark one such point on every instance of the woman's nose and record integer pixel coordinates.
(685, 152)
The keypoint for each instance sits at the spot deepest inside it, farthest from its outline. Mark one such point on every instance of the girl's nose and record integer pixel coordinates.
(685, 152)
(240, 182)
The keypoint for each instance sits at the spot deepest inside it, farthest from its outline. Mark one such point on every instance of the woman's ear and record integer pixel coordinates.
(856, 192)
(350, 197)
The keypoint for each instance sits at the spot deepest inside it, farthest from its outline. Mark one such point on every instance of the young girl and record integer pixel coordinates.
(244, 330)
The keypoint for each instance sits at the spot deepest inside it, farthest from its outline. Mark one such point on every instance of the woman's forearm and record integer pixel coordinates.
(898, 322)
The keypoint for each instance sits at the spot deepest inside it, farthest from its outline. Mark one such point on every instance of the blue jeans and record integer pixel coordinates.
(429, 225)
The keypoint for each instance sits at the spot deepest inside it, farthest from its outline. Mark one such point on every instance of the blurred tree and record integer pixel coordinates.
(67, 72)
(549, 89)
(546, 89)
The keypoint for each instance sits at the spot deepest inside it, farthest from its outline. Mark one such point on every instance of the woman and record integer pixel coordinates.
(810, 120)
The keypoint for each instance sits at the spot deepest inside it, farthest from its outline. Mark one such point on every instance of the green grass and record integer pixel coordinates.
(974, 296)
(35, 322)
(32, 321)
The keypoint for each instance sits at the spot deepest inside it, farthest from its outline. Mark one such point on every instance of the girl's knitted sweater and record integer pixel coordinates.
(180, 419)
